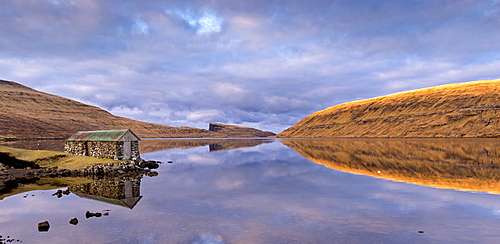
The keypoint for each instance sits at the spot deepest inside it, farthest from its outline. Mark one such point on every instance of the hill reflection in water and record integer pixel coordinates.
(462, 164)
(51, 145)
(156, 145)
(266, 194)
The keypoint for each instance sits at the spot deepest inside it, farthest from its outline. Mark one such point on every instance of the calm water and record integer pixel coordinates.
(290, 191)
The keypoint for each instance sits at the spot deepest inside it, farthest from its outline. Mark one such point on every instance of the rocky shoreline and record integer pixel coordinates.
(122, 168)
(11, 178)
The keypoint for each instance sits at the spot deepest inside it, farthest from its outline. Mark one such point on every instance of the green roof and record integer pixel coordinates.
(100, 135)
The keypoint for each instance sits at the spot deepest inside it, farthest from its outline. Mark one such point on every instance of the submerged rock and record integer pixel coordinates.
(89, 214)
(43, 226)
(74, 221)
(150, 164)
(58, 193)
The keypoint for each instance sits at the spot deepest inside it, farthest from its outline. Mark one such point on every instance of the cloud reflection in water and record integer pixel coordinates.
(266, 194)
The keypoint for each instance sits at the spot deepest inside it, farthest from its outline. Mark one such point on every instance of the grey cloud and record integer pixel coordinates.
(264, 63)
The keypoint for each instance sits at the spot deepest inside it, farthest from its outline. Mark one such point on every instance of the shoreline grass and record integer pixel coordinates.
(50, 159)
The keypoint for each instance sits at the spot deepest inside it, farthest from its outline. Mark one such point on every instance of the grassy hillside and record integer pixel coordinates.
(236, 131)
(27, 113)
(463, 164)
(470, 109)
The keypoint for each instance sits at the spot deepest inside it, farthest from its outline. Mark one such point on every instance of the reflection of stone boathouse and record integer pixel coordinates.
(114, 144)
(122, 193)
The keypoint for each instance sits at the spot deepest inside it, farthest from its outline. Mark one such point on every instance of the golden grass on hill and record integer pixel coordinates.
(49, 159)
(462, 164)
(27, 113)
(470, 109)
(237, 131)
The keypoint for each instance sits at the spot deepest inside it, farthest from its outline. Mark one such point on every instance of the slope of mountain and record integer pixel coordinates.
(27, 113)
(237, 131)
(470, 109)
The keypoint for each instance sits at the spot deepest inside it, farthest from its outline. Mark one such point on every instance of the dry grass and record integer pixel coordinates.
(49, 159)
(237, 131)
(27, 113)
(470, 109)
(472, 165)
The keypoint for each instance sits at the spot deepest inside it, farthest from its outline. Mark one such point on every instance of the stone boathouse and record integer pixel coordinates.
(113, 144)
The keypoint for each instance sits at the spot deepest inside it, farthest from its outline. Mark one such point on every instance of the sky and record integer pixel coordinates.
(263, 63)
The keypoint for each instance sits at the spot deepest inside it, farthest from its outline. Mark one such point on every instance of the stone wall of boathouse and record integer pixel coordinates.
(135, 150)
(76, 148)
(98, 149)
(106, 149)
(102, 149)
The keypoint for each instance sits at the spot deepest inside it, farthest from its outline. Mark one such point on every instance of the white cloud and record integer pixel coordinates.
(204, 23)
(252, 62)
(229, 93)
(205, 115)
(209, 23)
(141, 27)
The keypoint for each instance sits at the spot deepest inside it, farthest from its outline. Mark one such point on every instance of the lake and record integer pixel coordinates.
(273, 191)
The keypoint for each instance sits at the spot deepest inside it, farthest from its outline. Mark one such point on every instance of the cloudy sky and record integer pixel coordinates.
(261, 63)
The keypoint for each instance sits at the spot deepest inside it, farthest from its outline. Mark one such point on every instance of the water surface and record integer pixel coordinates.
(290, 191)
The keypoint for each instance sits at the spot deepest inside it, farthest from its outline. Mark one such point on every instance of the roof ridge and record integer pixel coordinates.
(100, 135)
